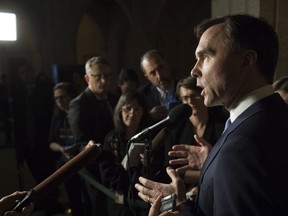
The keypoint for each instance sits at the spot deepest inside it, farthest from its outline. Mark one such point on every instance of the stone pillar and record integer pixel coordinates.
(281, 20)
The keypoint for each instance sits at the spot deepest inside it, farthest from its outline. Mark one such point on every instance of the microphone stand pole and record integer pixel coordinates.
(148, 150)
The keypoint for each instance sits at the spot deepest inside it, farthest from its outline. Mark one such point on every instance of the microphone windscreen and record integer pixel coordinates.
(40, 191)
(180, 112)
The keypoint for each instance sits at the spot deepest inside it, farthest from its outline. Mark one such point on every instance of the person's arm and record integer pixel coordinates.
(7, 203)
(56, 147)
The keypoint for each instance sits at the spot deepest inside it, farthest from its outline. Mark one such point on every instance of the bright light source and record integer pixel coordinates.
(8, 27)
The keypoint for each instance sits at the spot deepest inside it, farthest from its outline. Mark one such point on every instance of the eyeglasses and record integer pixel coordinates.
(98, 77)
(191, 97)
(129, 110)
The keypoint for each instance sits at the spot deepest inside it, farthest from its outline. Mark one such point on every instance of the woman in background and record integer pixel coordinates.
(204, 122)
(130, 117)
(62, 143)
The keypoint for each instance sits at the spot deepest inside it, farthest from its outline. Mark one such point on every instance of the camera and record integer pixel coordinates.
(168, 203)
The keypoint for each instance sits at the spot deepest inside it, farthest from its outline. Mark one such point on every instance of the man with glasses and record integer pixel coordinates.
(91, 117)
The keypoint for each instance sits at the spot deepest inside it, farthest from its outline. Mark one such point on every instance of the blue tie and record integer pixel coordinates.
(227, 124)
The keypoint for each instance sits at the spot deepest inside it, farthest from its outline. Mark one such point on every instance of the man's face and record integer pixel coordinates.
(157, 72)
(218, 71)
(99, 79)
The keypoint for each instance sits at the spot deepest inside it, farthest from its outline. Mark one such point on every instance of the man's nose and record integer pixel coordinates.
(195, 72)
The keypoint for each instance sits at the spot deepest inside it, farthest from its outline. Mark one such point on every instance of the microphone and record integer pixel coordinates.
(41, 190)
(176, 115)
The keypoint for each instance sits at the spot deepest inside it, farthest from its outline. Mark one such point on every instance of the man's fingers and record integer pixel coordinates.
(178, 153)
(155, 208)
(147, 194)
(145, 198)
(181, 147)
(172, 174)
(146, 182)
(142, 189)
(180, 161)
(183, 169)
(202, 142)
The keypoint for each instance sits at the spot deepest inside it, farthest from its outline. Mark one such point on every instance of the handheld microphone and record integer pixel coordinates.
(41, 190)
(176, 115)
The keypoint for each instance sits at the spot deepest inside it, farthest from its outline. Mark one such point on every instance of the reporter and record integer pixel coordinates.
(8, 202)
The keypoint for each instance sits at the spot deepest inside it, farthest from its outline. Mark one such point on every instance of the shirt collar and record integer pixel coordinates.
(164, 92)
(250, 99)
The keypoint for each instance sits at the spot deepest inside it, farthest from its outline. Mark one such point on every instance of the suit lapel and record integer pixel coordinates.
(259, 106)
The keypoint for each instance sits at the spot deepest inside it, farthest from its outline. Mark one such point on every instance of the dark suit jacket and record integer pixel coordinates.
(246, 171)
(151, 95)
(90, 118)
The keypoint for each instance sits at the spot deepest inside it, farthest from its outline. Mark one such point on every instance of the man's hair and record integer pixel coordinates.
(150, 54)
(245, 32)
(93, 61)
(281, 84)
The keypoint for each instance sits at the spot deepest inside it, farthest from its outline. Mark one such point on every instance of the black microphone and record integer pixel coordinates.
(176, 115)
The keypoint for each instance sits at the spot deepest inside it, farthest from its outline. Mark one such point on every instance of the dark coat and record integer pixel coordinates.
(90, 118)
(151, 95)
(246, 171)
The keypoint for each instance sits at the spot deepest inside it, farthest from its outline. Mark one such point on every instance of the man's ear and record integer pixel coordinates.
(250, 59)
(86, 77)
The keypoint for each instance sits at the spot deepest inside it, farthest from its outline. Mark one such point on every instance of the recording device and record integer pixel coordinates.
(176, 115)
(168, 203)
(70, 168)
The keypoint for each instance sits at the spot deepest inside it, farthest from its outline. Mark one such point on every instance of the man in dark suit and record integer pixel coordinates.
(90, 114)
(159, 93)
(246, 171)
(91, 117)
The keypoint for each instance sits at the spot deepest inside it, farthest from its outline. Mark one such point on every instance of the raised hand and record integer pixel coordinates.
(8, 202)
(149, 190)
(155, 209)
(190, 157)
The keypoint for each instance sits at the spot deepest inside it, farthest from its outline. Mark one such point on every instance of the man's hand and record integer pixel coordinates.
(150, 190)
(8, 202)
(190, 157)
(155, 209)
